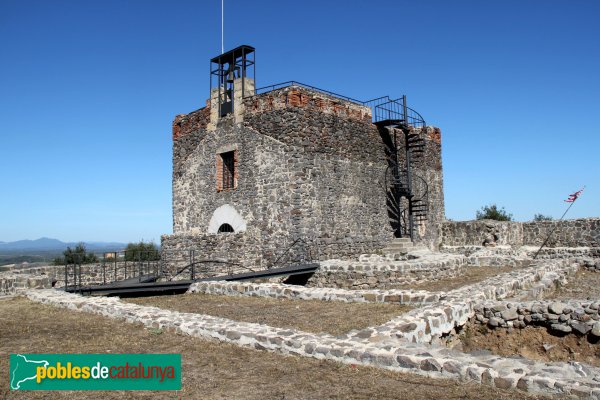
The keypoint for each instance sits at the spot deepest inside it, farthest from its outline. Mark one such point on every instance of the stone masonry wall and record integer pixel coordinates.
(430, 169)
(16, 280)
(354, 137)
(337, 156)
(283, 291)
(584, 232)
(309, 166)
(474, 233)
(376, 272)
(243, 248)
(579, 317)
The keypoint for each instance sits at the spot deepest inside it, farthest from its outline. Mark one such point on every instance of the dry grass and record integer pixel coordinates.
(469, 276)
(314, 316)
(210, 370)
(582, 285)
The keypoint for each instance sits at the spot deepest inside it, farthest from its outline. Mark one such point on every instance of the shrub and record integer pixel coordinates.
(542, 217)
(79, 255)
(493, 212)
(142, 251)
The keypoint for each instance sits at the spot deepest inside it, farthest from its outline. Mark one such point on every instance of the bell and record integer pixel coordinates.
(230, 76)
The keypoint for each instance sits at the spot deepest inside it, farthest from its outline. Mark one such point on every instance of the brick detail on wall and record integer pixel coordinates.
(435, 135)
(299, 97)
(185, 124)
(219, 172)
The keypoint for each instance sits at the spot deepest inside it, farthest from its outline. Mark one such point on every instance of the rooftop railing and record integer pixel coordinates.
(382, 108)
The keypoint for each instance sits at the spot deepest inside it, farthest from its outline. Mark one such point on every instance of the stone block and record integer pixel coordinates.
(431, 364)
(510, 314)
(561, 328)
(556, 308)
(408, 362)
(595, 329)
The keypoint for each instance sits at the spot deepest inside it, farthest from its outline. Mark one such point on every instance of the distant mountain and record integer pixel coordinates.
(48, 244)
(103, 245)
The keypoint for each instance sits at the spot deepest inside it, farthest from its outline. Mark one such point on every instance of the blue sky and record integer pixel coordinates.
(88, 91)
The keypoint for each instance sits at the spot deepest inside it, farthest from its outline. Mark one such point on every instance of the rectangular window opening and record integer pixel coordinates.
(228, 170)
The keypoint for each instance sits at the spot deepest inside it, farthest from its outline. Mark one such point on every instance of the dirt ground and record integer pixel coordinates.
(532, 342)
(582, 285)
(314, 316)
(470, 275)
(211, 370)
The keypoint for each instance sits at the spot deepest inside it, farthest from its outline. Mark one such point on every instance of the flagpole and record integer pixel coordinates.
(222, 24)
(556, 225)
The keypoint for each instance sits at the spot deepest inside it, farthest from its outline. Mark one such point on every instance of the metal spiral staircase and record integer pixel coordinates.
(408, 201)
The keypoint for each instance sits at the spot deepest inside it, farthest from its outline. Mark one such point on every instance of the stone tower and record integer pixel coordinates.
(257, 170)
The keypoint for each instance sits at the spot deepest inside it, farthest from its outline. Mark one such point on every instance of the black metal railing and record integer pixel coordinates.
(373, 103)
(73, 276)
(210, 268)
(394, 110)
(167, 265)
(395, 177)
(421, 197)
(382, 108)
(113, 267)
(282, 85)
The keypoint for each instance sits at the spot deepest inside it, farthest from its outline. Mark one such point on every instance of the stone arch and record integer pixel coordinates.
(226, 214)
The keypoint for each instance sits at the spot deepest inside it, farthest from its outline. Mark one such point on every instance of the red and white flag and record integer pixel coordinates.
(574, 196)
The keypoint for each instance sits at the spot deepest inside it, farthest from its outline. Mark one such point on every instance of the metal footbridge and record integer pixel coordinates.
(170, 272)
(149, 284)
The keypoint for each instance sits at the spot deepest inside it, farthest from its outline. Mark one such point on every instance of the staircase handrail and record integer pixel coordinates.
(394, 110)
(425, 195)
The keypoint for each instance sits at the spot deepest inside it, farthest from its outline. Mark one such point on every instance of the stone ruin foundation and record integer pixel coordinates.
(415, 341)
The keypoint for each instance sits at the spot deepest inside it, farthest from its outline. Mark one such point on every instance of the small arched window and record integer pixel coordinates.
(225, 228)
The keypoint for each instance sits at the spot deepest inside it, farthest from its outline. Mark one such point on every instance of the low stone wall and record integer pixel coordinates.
(378, 272)
(282, 291)
(567, 233)
(498, 257)
(561, 252)
(252, 250)
(457, 307)
(475, 233)
(18, 279)
(430, 360)
(590, 264)
(11, 284)
(579, 317)
(503, 255)
(584, 232)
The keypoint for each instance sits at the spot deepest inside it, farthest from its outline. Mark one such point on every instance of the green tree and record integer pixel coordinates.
(493, 212)
(79, 255)
(142, 251)
(542, 217)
